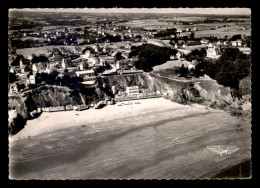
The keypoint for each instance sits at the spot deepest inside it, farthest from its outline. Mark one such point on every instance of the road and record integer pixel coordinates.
(165, 144)
(186, 80)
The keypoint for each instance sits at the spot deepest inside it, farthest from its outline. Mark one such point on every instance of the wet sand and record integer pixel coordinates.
(156, 139)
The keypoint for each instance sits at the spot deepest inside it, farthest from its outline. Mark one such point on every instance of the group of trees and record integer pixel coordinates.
(12, 77)
(236, 37)
(40, 58)
(196, 54)
(112, 38)
(166, 33)
(17, 24)
(228, 70)
(54, 79)
(88, 37)
(88, 48)
(17, 43)
(150, 55)
(17, 59)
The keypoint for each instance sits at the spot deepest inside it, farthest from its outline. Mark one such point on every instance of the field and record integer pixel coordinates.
(171, 64)
(155, 139)
(42, 50)
(54, 27)
(146, 24)
(203, 29)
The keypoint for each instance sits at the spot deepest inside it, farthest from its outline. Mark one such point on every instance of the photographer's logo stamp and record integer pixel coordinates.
(223, 149)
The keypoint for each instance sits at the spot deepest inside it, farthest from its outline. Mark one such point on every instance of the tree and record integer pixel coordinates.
(26, 61)
(17, 60)
(107, 66)
(138, 37)
(183, 71)
(185, 38)
(118, 56)
(12, 77)
(236, 37)
(192, 35)
(28, 68)
(229, 54)
(85, 65)
(196, 54)
(151, 55)
(88, 48)
(41, 58)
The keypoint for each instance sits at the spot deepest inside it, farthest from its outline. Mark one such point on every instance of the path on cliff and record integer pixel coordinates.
(181, 80)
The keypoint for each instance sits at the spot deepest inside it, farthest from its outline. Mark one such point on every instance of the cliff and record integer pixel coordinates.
(204, 91)
(15, 122)
(43, 96)
(207, 92)
(46, 96)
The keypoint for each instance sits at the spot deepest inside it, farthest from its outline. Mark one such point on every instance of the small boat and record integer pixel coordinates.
(82, 107)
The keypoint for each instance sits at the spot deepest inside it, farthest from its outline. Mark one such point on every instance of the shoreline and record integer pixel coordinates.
(47, 121)
(240, 170)
(133, 141)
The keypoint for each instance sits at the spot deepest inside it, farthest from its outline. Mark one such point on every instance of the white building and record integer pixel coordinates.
(219, 43)
(12, 70)
(190, 66)
(31, 80)
(128, 46)
(93, 61)
(81, 67)
(178, 55)
(210, 45)
(132, 90)
(234, 43)
(13, 88)
(239, 43)
(204, 41)
(87, 54)
(179, 30)
(63, 64)
(212, 53)
(96, 47)
(85, 73)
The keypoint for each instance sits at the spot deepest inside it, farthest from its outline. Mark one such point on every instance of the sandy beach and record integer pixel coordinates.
(48, 120)
(142, 139)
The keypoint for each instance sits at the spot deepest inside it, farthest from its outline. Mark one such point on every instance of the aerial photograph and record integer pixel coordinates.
(129, 93)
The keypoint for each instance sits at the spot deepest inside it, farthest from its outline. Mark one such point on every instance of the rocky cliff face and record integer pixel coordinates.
(206, 91)
(47, 96)
(15, 122)
(44, 96)
(17, 103)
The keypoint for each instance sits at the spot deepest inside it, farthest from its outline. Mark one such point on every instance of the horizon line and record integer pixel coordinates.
(209, 11)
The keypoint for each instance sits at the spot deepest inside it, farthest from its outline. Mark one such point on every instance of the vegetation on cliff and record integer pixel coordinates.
(46, 96)
(150, 55)
(231, 67)
(15, 122)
